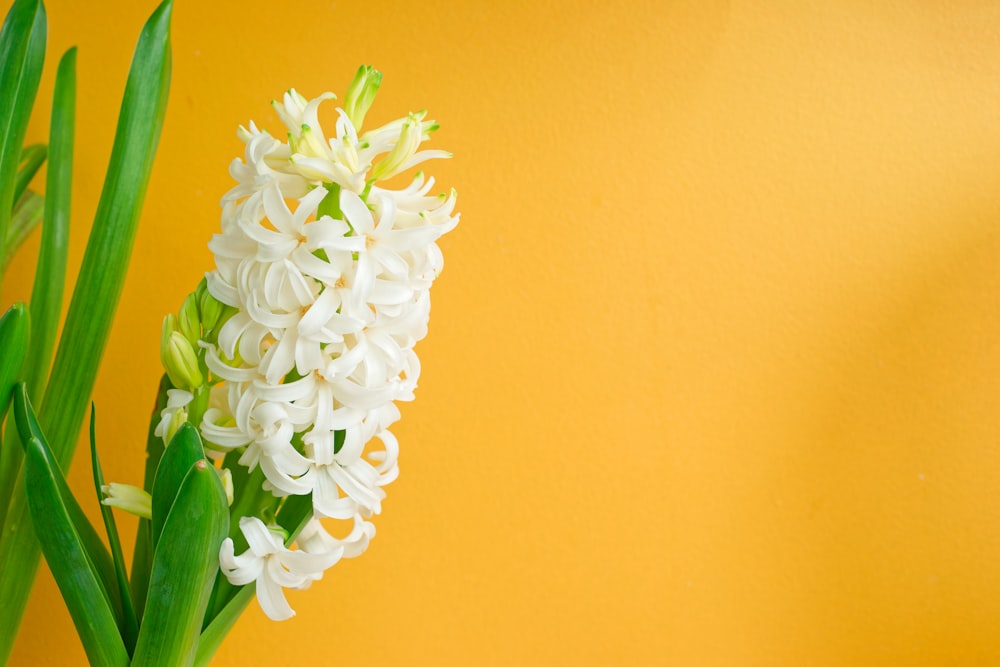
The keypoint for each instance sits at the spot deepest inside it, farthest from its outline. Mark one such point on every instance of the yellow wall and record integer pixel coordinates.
(714, 364)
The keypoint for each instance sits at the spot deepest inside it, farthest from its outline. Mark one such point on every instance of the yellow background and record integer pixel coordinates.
(714, 364)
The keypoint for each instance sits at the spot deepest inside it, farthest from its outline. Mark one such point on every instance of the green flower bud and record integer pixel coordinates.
(188, 321)
(211, 311)
(169, 327)
(361, 94)
(178, 357)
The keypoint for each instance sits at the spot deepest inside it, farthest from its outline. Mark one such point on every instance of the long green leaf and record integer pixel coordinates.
(184, 566)
(50, 273)
(22, 53)
(95, 297)
(105, 261)
(66, 550)
(129, 627)
(74, 573)
(185, 449)
(28, 428)
(32, 158)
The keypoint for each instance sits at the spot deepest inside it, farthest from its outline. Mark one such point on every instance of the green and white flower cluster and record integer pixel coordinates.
(322, 286)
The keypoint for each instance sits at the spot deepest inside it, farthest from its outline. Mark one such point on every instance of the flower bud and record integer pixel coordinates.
(129, 498)
(214, 313)
(188, 321)
(178, 357)
(361, 94)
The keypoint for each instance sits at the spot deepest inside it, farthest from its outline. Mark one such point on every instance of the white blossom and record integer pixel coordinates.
(273, 566)
(329, 273)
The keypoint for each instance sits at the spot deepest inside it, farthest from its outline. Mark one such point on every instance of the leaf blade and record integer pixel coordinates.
(28, 428)
(50, 273)
(185, 450)
(103, 268)
(184, 566)
(68, 562)
(129, 627)
(53, 514)
(14, 327)
(105, 261)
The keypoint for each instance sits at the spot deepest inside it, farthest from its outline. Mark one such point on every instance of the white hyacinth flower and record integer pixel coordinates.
(329, 274)
(273, 566)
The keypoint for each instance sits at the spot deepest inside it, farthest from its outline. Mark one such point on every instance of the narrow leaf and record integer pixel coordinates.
(28, 428)
(14, 344)
(105, 261)
(130, 626)
(22, 52)
(98, 288)
(74, 573)
(184, 566)
(185, 449)
(50, 274)
(32, 158)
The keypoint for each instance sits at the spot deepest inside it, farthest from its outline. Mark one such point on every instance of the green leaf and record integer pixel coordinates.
(185, 449)
(185, 563)
(28, 428)
(98, 288)
(32, 158)
(105, 261)
(27, 214)
(50, 273)
(22, 53)
(14, 343)
(67, 554)
(129, 627)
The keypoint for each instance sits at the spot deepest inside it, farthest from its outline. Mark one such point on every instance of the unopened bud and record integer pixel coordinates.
(188, 321)
(179, 358)
(212, 312)
(361, 94)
